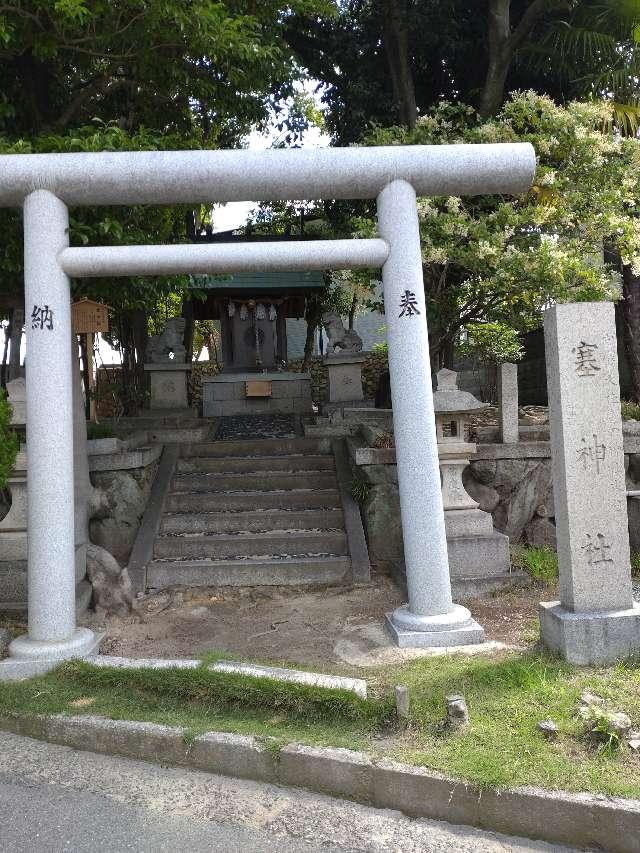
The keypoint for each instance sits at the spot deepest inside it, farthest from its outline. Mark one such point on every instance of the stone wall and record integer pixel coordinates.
(122, 477)
(513, 482)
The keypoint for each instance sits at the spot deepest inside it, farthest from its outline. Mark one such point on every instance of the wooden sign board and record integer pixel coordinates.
(88, 317)
(257, 388)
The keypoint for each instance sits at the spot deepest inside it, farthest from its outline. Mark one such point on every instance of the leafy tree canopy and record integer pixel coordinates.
(502, 259)
(165, 64)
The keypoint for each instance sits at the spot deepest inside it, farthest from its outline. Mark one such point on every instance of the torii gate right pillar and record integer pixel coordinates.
(430, 618)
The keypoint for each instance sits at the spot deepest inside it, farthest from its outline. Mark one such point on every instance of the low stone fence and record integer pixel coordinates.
(513, 482)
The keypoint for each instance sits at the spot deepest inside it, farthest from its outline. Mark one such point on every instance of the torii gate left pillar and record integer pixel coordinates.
(53, 634)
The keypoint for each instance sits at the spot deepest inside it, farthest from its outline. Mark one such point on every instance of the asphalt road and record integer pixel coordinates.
(53, 799)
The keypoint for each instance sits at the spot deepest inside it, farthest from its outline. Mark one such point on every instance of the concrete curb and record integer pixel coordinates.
(581, 820)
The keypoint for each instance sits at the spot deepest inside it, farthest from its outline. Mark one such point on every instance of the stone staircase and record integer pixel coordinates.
(252, 512)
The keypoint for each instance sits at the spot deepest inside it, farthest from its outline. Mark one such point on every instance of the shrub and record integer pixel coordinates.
(630, 410)
(8, 440)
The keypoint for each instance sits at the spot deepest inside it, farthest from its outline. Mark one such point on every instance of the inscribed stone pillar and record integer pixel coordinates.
(50, 470)
(430, 618)
(595, 620)
(508, 402)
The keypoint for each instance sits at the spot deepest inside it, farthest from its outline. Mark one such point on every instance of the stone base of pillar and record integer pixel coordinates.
(590, 638)
(169, 383)
(456, 628)
(83, 642)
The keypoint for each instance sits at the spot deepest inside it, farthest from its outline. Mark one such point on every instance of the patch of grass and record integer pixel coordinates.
(99, 431)
(360, 490)
(507, 695)
(540, 563)
(635, 564)
(630, 411)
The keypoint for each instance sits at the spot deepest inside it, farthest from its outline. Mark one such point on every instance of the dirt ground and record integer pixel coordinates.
(310, 626)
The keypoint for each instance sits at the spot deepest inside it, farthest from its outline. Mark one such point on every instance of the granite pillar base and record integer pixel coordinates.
(593, 638)
(411, 631)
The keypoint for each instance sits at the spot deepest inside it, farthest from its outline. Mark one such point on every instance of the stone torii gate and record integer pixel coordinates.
(46, 185)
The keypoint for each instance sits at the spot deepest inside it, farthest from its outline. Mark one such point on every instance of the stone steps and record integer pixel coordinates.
(325, 569)
(258, 521)
(243, 513)
(290, 543)
(258, 481)
(257, 449)
(252, 500)
(254, 464)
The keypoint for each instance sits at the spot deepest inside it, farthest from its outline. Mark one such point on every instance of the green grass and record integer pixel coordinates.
(630, 410)
(635, 565)
(540, 563)
(507, 696)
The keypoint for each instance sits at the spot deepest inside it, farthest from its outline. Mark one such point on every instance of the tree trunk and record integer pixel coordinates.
(503, 42)
(396, 44)
(352, 310)
(17, 322)
(308, 345)
(84, 352)
(631, 317)
(189, 329)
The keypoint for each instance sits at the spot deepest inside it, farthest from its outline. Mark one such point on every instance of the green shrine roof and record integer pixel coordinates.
(309, 280)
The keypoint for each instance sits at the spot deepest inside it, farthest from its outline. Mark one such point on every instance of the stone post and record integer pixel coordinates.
(430, 618)
(51, 560)
(508, 402)
(596, 620)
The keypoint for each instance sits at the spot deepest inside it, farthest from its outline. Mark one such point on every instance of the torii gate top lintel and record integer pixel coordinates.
(169, 177)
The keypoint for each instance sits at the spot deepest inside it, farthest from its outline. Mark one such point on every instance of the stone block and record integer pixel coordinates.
(345, 377)
(233, 755)
(590, 639)
(13, 545)
(339, 772)
(168, 385)
(302, 405)
(467, 522)
(421, 793)
(478, 555)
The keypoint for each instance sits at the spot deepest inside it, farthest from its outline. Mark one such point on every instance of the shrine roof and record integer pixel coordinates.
(256, 281)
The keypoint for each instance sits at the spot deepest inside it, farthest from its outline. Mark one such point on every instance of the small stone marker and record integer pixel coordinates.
(402, 701)
(457, 711)
(508, 402)
(596, 620)
(548, 728)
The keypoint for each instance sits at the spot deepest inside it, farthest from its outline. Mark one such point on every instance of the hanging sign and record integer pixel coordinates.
(88, 317)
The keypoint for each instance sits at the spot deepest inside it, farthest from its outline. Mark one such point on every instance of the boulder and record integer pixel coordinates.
(541, 533)
(112, 592)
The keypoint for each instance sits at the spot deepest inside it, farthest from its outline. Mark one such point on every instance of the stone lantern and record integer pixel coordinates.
(477, 552)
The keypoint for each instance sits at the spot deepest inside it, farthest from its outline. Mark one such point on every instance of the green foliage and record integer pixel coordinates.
(99, 430)
(635, 564)
(540, 563)
(499, 259)
(360, 490)
(227, 690)
(630, 411)
(8, 440)
(495, 343)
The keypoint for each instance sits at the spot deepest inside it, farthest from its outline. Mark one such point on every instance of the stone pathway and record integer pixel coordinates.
(257, 427)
